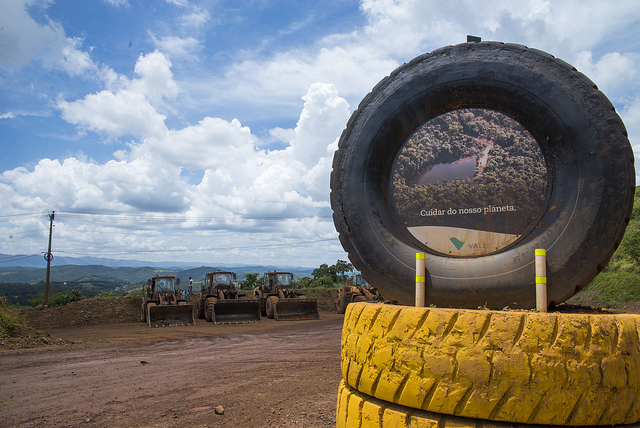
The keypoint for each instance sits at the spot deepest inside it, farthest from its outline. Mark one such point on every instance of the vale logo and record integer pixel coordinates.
(458, 243)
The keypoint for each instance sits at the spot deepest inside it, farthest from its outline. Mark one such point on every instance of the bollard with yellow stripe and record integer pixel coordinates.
(420, 281)
(541, 280)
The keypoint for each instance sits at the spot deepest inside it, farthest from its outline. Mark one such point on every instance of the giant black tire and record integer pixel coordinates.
(507, 366)
(589, 163)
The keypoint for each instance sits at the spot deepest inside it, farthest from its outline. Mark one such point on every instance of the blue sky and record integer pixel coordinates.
(204, 130)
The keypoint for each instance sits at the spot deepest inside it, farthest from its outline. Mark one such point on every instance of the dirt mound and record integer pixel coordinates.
(115, 310)
(98, 310)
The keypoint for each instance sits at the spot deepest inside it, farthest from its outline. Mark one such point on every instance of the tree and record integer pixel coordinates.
(333, 273)
(250, 281)
(342, 268)
(325, 270)
(304, 282)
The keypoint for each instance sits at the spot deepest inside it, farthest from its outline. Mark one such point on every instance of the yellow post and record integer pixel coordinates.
(541, 280)
(420, 282)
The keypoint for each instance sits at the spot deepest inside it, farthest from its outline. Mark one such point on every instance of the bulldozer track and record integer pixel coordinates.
(517, 367)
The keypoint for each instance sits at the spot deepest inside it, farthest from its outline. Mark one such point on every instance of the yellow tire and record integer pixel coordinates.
(355, 410)
(517, 367)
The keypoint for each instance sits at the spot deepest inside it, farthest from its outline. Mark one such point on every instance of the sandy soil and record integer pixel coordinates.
(269, 374)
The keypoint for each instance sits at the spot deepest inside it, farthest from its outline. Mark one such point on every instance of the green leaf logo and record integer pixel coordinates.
(458, 243)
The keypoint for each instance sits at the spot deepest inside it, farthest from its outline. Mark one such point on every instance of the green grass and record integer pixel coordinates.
(620, 279)
(10, 325)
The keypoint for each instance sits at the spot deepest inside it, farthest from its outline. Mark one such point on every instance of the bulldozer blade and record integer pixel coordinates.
(296, 309)
(236, 311)
(171, 314)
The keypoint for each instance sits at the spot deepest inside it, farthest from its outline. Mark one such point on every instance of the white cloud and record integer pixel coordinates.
(234, 180)
(122, 113)
(611, 71)
(396, 32)
(289, 182)
(117, 3)
(321, 121)
(132, 110)
(181, 3)
(631, 117)
(195, 20)
(155, 79)
(23, 40)
(178, 47)
(240, 182)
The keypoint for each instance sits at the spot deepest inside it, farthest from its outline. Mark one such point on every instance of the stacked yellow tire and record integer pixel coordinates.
(431, 367)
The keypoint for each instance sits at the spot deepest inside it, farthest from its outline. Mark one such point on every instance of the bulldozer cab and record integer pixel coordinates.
(163, 284)
(358, 281)
(279, 280)
(221, 281)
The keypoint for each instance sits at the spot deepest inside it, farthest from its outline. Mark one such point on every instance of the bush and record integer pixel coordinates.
(323, 282)
(58, 299)
(9, 323)
(304, 282)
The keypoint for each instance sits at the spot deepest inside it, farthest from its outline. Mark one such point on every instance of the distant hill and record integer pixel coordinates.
(76, 273)
(22, 284)
(38, 261)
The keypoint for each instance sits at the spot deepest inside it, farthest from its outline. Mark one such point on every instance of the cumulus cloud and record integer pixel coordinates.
(396, 32)
(631, 117)
(241, 182)
(132, 110)
(611, 71)
(234, 180)
(281, 183)
(178, 47)
(23, 40)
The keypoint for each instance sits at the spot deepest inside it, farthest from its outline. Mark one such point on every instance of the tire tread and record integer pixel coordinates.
(519, 367)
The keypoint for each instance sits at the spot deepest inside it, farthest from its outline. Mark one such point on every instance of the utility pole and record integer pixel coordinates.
(48, 256)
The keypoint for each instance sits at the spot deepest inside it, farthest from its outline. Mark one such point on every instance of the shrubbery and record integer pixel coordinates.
(10, 325)
(58, 299)
(620, 279)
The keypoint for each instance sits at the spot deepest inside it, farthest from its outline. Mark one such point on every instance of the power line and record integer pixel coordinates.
(21, 215)
(21, 232)
(10, 259)
(184, 218)
(208, 250)
(12, 218)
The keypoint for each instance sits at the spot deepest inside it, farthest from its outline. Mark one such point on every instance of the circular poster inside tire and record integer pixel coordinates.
(476, 155)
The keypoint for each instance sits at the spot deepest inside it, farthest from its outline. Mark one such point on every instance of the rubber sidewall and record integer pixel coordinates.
(589, 162)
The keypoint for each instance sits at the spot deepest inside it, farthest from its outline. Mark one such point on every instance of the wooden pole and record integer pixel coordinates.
(48, 258)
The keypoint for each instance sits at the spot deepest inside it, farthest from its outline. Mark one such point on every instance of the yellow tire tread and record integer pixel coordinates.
(508, 366)
(357, 410)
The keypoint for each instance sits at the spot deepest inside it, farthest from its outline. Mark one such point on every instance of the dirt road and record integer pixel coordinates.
(269, 374)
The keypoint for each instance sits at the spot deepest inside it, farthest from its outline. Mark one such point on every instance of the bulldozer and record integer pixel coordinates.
(356, 290)
(279, 301)
(162, 303)
(220, 302)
